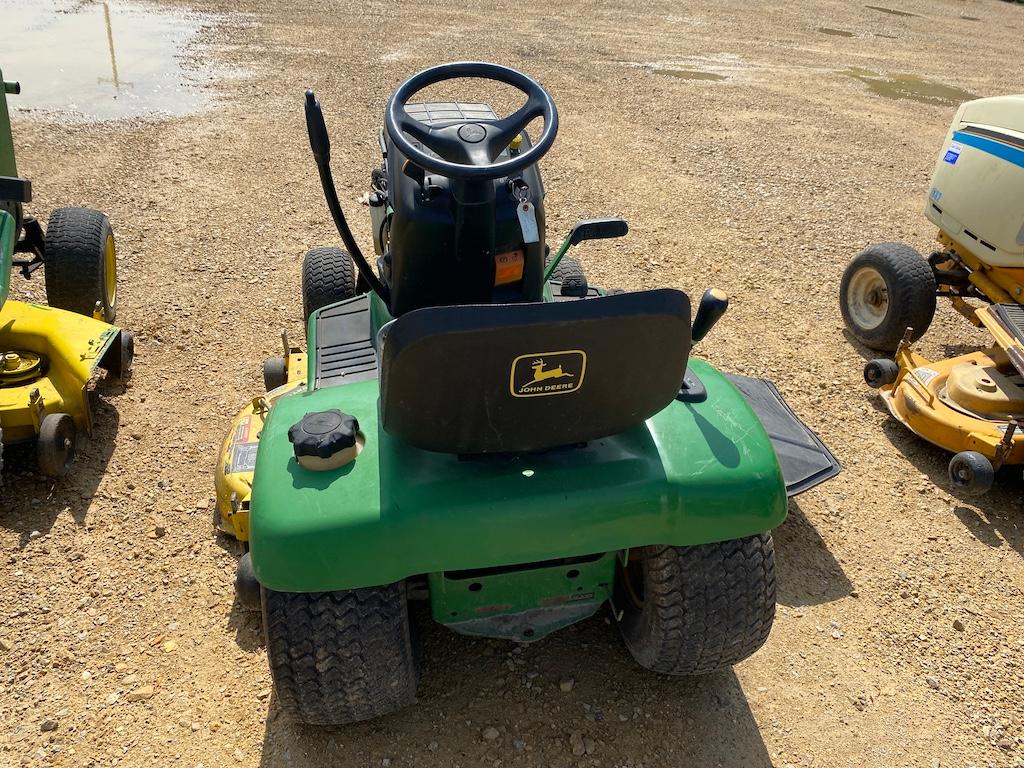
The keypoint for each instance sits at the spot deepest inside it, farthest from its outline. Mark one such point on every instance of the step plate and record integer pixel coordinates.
(344, 350)
(805, 460)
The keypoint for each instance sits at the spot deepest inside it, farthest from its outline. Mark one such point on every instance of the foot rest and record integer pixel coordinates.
(344, 349)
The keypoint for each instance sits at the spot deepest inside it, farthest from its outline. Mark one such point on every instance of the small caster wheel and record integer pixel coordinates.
(971, 473)
(275, 373)
(55, 449)
(880, 372)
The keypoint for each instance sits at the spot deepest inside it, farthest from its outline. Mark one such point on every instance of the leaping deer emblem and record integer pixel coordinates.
(539, 374)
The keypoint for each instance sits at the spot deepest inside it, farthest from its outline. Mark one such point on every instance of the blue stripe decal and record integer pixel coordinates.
(1002, 151)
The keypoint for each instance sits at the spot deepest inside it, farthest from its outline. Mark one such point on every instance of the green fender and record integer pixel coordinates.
(692, 474)
(7, 238)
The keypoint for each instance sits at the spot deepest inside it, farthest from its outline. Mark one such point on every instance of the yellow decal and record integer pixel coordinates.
(547, 373)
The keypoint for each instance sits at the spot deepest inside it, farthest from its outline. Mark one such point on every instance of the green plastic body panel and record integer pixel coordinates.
(7, 165)
(7, 237)
(522, 603)
(692, 474)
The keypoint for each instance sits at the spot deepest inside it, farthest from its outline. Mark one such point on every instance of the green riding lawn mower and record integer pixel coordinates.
(476, 427)
(50, 353)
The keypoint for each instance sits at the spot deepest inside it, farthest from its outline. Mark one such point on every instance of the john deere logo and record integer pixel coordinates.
(548, 373)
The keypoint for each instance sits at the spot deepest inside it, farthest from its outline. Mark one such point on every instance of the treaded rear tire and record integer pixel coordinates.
(911, 288)
(704, 607)
(341, 657)
(75, 263)
(328, 276)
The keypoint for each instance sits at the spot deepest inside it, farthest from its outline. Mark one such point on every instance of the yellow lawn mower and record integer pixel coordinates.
(49, 353)
(973, 404)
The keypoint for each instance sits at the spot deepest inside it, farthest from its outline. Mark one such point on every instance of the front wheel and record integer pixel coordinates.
(55, 448)
(695, 610)
(80, 262)
(971, 473)
(886, 289)
(340, 657)
(328, 276)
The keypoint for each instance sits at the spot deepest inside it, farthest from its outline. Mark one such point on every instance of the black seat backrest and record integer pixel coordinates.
(512, 378)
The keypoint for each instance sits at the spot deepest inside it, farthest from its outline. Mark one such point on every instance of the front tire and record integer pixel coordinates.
(570, 274)
(328, 276)
(695, 610)
(340, 657)
(80, 262)
(886, 289)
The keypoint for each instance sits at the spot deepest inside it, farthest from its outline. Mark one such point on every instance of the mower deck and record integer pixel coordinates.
(50, 356)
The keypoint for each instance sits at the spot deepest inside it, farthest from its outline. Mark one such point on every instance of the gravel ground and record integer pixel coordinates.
(900, 626)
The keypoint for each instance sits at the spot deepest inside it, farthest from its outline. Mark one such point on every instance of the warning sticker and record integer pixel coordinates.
(242, 432)
(953, 153)
(243, 457)
(925, 375)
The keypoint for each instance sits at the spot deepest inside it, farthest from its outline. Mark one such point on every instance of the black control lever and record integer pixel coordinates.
(710, 310)
(320, 143)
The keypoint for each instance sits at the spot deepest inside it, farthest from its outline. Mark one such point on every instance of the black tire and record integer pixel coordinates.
(695, 610)
(879, 316)
(55, 448)
(275, 373)
(570, 273)
(328, 276)
(77, 263)
(341, 657)
(971, 473)
(880, 372)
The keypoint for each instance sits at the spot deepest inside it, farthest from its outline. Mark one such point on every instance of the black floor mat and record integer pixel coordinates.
(804, 459)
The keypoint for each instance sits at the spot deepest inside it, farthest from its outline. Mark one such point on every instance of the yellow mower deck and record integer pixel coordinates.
(964, 403)
(49, 356)
(237, 458)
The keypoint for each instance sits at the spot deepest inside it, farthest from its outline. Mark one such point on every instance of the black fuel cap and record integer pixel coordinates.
(323, 433)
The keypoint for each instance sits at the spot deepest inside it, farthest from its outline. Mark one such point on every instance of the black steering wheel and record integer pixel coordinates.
(467, 150)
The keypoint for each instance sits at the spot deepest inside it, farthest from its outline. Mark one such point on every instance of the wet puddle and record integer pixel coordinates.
(707, 68)
(104, 60)
(688, 74)
(835, 32)
(913, 87)
(890, 11)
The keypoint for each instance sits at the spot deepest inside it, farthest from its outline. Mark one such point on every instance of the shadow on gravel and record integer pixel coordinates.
(624, 715)
(806, 572)
(996, 518)
(32, 502)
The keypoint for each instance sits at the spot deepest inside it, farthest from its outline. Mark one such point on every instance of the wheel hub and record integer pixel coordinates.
(19, 366)
(868, 298)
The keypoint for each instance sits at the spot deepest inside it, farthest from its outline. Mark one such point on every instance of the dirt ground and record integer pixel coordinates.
(900, 628)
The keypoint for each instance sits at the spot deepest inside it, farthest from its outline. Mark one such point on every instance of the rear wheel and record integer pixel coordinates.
(340, 657)
(55, 448)
(80, 262)
(694, 610)
(328, 276)
(886, 289)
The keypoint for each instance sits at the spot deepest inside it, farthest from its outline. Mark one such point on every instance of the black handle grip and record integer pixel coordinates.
(597, 229)
(710, 310)
(319, 141)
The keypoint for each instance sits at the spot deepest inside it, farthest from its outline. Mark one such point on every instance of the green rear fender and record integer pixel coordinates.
(692, 474)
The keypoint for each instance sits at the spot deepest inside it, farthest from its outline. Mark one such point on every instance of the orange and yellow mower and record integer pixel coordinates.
(972, 405)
